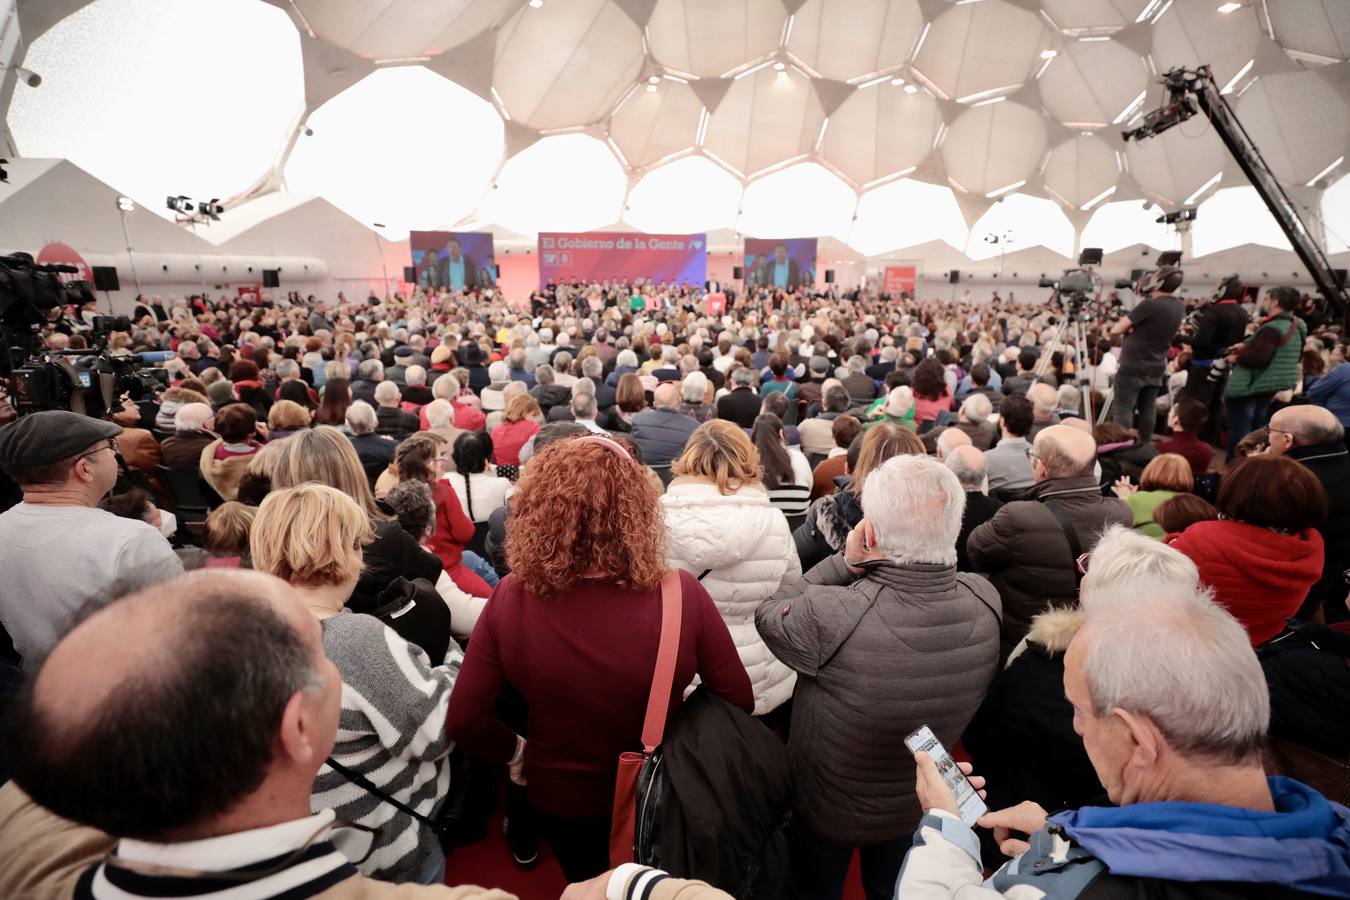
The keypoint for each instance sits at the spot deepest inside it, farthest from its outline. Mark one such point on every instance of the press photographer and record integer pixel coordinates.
(1148, 329)
(1215, 327)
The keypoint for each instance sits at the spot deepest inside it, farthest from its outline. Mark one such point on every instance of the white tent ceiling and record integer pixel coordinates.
(885, 123)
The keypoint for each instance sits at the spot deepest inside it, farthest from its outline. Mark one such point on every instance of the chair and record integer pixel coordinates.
(193, 499)
(478, 543)
(1326, 774)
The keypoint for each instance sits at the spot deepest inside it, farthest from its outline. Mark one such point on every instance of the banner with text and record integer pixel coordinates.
(453, 259)
(621, 256)
(783, 263)
(900, 279)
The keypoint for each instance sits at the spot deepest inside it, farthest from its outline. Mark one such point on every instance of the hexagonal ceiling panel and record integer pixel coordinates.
(765, 118)
(1092, 84)
(568, 182)
(845, 39)
(566, 64)
(1093, 16)
(1178, 166)
(881, 131)
(1299, 121)
(401, 28)
(801, 200)
(655, 121)
(425, 183)
(1081, 170)
(1311, 30)
(709, 38)
(1233, 217)
(1124, 223)
(906, 213)
(119, 98)
(1193, 32)
(994, 147)
(977, 50)
(685, 196)
(1021, 221)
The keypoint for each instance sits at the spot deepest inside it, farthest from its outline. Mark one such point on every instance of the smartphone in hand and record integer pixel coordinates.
(968, 799)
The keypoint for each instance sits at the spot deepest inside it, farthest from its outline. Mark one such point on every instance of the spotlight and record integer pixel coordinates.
(309, 132)
(1172, 218)
(897, 81)
(655, 79)
(911, 89)
(180, 204)
(1229, 7)
(778, 67)
(27, 76)
(651, 89)
(211, 209)
(535, 4)
(1049, 54)
(4, 176)
(126, 204)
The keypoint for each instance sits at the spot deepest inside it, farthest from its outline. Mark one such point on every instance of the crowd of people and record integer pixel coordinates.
(289, 625)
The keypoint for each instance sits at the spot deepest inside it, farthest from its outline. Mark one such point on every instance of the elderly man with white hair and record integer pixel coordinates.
(191, 434)
(1172, 709)
(393, 421)
(885, 636)
(970, 468)
(376, 451)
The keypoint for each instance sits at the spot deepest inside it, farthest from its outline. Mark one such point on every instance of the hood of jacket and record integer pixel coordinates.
(724, 528)
(1259, 557)
(1303, 845)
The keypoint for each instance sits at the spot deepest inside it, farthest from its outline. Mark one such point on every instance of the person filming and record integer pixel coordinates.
(1148, 330)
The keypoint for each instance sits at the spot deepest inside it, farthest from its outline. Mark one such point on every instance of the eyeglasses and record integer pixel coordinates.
(1082, 562)
(355, 842)
(1032, 454)
(111, 445)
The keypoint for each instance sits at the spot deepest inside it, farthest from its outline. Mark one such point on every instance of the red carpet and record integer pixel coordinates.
(489, 864)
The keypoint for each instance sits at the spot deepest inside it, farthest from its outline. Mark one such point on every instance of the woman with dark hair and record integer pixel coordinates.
(629, 399)
(224, 461)
(787, 474)
(337, 396)
(1182, 511)
(475, 481)
(249, 386)
(587, 552)
(932, 395)
(418, 459)
(1263, 553)
(298, 392)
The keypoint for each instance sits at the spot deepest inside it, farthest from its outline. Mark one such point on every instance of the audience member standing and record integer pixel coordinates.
(1266, 364)
(574, 630)
(968, 464)
(1148, 330)
(885, 637)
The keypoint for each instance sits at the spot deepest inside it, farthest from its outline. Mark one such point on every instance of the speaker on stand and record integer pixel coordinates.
(954, 277)
(738, 273)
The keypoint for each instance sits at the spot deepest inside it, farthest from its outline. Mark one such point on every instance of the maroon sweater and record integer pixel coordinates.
(583, 663)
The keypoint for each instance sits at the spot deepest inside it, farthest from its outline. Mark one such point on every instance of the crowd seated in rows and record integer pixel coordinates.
(363, 571)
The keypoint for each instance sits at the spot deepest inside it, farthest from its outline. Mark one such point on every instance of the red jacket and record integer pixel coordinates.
(453, 528)
(1259, 575)
(583, 664)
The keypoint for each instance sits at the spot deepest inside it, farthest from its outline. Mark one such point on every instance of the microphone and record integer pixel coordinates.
(157, 356)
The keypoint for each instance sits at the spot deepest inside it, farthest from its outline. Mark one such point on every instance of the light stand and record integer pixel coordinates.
(379, 248)
(124, 206)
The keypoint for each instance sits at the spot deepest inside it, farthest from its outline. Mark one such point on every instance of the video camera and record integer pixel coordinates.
(1073, 293)
(85, 381)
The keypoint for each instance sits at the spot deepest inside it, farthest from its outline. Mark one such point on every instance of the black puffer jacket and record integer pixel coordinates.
(828, 522)
(1308, 671)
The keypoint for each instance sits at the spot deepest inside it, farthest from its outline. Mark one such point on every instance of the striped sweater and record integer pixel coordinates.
(392, 731)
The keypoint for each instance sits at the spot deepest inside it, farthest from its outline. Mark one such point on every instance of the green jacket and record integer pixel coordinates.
(1281, 373)
(1142, 504)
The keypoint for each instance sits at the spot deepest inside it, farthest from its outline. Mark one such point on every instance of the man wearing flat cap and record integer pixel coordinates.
(57, 548)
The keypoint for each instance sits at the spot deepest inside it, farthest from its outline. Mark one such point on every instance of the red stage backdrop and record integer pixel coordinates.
(65, 255)
(900, 278)
(621, 256)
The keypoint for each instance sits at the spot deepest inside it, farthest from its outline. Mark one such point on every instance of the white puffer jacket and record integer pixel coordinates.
(746, 544)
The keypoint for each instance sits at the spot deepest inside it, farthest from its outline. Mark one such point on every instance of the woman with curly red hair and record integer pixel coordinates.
(574, 629)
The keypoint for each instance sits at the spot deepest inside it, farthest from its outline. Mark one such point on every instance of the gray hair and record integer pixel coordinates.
(836, 399)
(499, 372)
(1068, 397)
(191, 416)
(583, 386)
(415, 376)
(583, 405)
(517, 358)
(743, 376)
(288, 368)
(336, 368)
(978, 408)
(592, 366)
(361, 418)
(626, 358)
(1126, 564)
(387, 393)
(446, 387)
(562, 362)
(969, 466)
(439, 413)
(694, 387)
(1183, 661)
(543, 374)
(370, 370)
(915, 504)
(857, 363)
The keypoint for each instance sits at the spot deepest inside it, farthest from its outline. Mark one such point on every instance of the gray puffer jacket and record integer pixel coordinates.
(877, 656)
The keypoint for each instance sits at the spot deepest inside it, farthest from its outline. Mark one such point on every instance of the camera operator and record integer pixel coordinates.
(1148, 330)
(1219, 324)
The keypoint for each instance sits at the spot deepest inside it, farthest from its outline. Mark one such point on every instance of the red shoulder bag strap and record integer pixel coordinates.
(663, 678)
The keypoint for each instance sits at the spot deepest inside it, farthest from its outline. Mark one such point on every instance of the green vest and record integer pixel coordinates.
(1281, 374)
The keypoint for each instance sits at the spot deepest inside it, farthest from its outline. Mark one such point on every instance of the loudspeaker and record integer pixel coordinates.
(105, 278)
(409, 274)
(1091, 256)
(1170, 258)
(954, 277)
(829, 276)
(737, 273)
(1136, 274)
(271, 278)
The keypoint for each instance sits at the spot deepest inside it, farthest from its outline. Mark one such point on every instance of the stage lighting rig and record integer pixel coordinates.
(4, 176)
(1176, 218)
(180, 204)
(211, 209)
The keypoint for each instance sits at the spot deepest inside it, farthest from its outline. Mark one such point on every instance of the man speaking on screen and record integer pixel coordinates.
(457, 270)
(779, 270)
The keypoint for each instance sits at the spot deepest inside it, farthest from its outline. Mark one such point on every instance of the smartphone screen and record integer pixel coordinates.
(967, 799)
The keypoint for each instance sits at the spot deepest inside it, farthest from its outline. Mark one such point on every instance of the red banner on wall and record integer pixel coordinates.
(900, 278)
(65, 255)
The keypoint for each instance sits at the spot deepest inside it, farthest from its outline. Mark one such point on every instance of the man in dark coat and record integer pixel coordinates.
(968, 464)
(1024, 549)
(1313, 436)
(661, 432)
(742, 404)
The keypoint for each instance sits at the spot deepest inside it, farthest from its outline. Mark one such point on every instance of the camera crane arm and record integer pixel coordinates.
(1192, 91)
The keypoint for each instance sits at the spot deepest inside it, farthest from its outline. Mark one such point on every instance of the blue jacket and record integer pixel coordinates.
(1332, 390)
(1303, 846)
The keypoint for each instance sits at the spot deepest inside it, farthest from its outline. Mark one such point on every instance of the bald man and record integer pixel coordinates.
(662, 431)
(971, 469)
(950, 439)
(1030, 548)
(1316, 438)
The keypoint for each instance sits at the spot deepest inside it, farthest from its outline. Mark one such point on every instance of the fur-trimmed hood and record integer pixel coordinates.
(1052, 631)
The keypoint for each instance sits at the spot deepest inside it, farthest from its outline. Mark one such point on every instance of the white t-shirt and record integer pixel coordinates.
(488, 489)
(57, 558)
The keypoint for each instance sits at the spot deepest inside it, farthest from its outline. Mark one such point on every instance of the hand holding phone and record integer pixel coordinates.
(941, 784)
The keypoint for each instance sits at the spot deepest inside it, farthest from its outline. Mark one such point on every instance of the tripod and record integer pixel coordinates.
(1072, 335)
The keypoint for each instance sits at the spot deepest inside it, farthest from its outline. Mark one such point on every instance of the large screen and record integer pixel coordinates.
(622, 256)
(784, 262)
(453, 259)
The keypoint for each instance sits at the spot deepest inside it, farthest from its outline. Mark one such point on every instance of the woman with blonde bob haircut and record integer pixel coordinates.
(574, 629)
(394, 701)
(720, 523)
(1166, 476)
